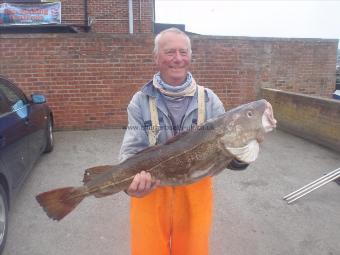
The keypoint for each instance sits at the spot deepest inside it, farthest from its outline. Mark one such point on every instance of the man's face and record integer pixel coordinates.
(173, 58)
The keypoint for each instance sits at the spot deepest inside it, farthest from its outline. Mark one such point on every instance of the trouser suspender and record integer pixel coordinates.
(201, 105)
(154, 129)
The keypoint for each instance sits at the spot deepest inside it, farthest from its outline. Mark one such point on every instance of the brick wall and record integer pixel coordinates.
(108, 16)
(90, 78)
(112, 16)
(237, 67)
(314, 118)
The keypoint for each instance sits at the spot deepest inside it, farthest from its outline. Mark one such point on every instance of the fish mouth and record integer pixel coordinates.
(246, 153)
(268, 120)
(250, 151)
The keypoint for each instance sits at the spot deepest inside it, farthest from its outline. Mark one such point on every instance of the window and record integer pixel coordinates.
(4, 105)
(11, 100)
(11, 95)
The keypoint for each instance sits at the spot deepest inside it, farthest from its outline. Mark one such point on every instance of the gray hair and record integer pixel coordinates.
(170, 30)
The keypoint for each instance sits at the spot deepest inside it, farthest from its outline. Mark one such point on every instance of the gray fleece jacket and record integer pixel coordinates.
(139, 119)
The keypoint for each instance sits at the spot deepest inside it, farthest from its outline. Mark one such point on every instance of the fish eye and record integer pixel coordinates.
(249, 114)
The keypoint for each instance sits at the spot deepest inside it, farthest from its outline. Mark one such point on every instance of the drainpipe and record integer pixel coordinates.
(86, 19)
(130, 17)
(153, 16)
(140, 17)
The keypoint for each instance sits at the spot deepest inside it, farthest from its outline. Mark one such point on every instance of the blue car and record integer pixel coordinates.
(26, 131)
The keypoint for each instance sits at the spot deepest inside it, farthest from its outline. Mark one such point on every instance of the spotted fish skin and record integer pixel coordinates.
(184, 159)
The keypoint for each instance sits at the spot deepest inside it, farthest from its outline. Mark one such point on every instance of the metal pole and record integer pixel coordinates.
(86, 16)
(312, 186)
(291, 200)
(140, 17)
(312, 183)
(130, 17)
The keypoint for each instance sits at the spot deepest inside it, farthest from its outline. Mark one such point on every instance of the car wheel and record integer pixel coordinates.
(3, 218)
(49, 136)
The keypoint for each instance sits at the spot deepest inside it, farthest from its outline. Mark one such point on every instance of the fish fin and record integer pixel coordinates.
(246, 154)
(93, 172)
(60, 202)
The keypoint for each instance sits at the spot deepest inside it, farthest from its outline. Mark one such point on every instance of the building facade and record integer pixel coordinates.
(89, 77)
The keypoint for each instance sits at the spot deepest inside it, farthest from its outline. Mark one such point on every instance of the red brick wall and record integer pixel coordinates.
(237, 67)
(72, 12)
(90, 78)
(109, 16)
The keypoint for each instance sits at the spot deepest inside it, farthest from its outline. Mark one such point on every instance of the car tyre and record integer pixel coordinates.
(49, 136)
(3, 218)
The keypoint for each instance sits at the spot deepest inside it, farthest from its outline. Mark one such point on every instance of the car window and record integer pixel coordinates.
(11, 95)
(11, 100)
(4, 105)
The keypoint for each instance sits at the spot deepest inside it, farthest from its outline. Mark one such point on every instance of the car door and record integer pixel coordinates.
(36, 124)
(14, 151)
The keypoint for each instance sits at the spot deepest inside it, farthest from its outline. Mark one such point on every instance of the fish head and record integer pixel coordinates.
(244, 128)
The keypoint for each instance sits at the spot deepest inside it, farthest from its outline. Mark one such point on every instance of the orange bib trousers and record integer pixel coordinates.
(173, 220)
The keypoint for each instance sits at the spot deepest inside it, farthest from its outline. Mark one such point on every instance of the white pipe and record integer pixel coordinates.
(130, 17)
(312, 186)
(140, 16)
(336, 171)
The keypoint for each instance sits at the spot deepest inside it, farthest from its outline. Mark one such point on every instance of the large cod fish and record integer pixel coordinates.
(184, 159)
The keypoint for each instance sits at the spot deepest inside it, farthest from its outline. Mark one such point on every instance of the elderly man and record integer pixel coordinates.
(169, 220)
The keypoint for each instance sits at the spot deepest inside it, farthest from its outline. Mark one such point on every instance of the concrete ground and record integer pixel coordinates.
(250, 216)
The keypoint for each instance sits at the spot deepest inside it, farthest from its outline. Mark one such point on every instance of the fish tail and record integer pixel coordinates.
(58, 203)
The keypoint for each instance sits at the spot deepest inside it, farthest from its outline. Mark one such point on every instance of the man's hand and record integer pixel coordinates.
(141, 185)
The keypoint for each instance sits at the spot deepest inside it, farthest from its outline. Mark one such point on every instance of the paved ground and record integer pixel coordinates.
(250, 216)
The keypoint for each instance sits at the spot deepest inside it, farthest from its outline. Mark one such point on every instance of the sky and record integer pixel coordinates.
(270, 18)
